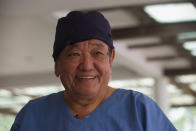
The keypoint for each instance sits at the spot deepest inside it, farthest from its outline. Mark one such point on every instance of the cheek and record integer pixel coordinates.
(66, 76)
(67, 73)
(104, 69)
(67, 68)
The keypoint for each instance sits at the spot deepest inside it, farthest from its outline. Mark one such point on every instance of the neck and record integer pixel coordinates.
(82, 106)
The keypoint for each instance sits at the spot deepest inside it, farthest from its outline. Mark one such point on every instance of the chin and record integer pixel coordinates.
(88, 91)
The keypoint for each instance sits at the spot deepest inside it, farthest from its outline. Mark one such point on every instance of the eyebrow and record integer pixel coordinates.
(73, 46)
(99, 45)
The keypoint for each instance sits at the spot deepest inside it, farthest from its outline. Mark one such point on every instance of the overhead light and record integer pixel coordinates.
(148, 81)
(193, 86)
(5, 93)
(13, 101)
(193, 53)
(186, 78)
(190, 45)
(183, 99)
(143, 82)
(37, 91)
(172, 89)
(187, 35)
(171, 13)
(139, 85)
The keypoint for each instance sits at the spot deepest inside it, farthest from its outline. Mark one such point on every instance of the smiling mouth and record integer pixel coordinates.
(87, 77)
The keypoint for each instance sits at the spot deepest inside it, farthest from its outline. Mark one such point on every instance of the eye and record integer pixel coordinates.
(99, 53)
(74, 54)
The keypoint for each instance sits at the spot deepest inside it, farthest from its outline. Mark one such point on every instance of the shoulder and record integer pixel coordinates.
(44, 101)
(147, 111)
(138, 101)
(134, 96)
(134, 100)
(34, 108)
(47, 98)
(41, 104)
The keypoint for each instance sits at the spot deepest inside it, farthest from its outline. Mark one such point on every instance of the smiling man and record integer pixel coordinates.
(84, 69)
(83, 54)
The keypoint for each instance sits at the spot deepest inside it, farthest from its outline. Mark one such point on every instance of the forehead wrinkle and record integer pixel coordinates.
(99, 45)
(93, 44)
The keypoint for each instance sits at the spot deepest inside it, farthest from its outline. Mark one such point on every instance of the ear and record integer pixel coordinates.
(56, 70)
(112, 58)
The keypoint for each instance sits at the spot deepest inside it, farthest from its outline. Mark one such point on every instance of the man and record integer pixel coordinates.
(83, 55)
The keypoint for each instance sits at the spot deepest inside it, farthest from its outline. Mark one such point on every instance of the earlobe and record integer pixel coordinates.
(56, 69)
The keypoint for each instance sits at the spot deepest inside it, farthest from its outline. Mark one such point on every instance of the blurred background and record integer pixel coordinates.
(155, 42)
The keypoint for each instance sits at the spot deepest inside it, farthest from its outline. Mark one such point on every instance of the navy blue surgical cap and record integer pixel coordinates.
(78, 26)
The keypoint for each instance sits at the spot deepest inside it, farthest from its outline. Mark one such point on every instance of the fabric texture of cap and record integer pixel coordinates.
(78, 26)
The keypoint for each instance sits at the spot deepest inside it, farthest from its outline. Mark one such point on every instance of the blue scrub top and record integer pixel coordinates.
(124, 110)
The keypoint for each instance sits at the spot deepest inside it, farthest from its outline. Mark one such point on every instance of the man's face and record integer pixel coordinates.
(85, 67)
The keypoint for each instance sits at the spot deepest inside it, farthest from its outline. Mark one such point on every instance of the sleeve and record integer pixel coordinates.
(152, 117)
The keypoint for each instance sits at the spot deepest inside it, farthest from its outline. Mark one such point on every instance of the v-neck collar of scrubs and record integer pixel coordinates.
(70, 116)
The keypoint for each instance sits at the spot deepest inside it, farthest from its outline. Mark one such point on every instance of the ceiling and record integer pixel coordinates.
(144, 47)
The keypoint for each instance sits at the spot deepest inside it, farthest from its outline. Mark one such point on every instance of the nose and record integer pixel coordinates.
(86, 63)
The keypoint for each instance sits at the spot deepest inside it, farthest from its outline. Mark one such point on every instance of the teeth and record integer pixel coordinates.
(87, 77)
